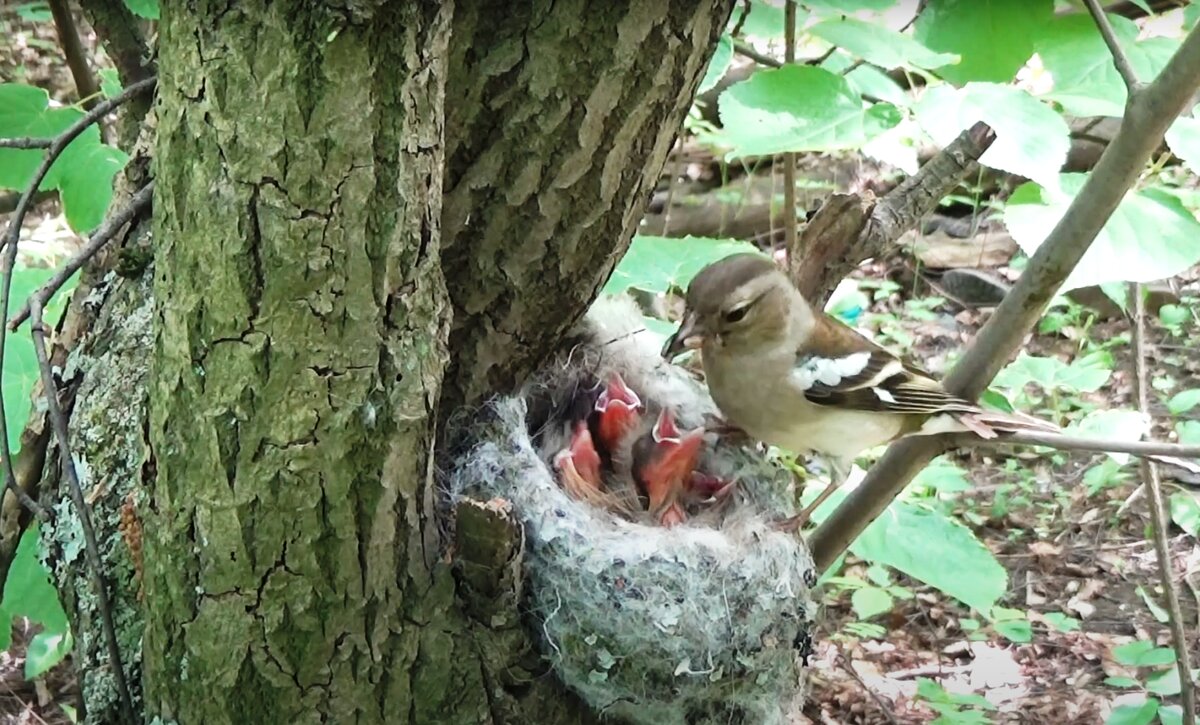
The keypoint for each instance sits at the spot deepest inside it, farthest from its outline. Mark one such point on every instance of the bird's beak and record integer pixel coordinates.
(674, 458)
(689, 336)
(618, 409)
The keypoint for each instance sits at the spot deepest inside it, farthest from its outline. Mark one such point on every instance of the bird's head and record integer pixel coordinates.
(740, 303)
(663, 466)
(618, 409)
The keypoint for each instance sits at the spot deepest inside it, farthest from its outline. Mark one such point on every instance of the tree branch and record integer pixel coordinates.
(119, 33)
(10, 247)
(1132, 84)
(25, 142)
(741, 47)
(102, 236)
(848, 229)
(1064, 442)
(1153, 488)
(59, 422)
(68, 38)
(790, 239)
(1148, 114)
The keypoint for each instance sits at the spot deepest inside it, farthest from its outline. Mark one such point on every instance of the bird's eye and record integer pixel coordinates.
(737, 314)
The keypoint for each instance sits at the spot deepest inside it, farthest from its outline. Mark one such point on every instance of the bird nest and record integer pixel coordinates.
(708, 621)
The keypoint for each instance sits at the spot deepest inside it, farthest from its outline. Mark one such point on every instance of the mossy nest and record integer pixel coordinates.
(709, 621)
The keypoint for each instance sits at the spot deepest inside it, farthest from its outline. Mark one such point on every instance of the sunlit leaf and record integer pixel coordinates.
(655, 264)
(718, 64)
(993, 38)
(870, 601)
(1185, 512)
(798, 108)
(144, 8)
(879, 45)
(1143, 653)
(1062, 622)
(1134, 714)
(1112, 424)
(1122, 252)
(46, 650)
(1184, 401)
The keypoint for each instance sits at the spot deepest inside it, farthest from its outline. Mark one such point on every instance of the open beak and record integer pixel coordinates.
(618, 408)
(666, 476)
(689, 336)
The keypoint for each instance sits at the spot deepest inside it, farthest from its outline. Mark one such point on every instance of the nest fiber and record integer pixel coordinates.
(704, 622)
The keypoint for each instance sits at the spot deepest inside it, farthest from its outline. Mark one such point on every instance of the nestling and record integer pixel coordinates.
(792, 376)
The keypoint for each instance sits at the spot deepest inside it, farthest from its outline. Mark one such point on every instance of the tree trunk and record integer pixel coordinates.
(301, 307)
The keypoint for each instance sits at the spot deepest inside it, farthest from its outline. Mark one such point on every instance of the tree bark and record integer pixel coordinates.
(266, 502)
(302, 323)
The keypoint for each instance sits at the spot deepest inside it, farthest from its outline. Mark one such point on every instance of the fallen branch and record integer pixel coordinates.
(848, 228)
(1153, 488)
(1149, 112)
(59, 423)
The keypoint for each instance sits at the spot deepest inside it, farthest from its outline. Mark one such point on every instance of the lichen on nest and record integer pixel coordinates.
(702, 622)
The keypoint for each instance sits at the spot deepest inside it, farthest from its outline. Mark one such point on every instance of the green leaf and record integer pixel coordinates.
(1123, 682)
(1082, 376)
(867, 80)
(718, 64)
(84, 171)
(1172, 714)
(1062, 622)
(110, 82)
(879, 45)
(1031, 139)
(27, 592)
(1143, 653)
(655, 264)
(1188, 432)
(870, 601)
(1185, 512)
(943, 476)
(1183, 138)
(1122, 252)
(846, 6)
(798, 108)
(993, 38)
(995, 399)
(1165, 683)
(45, 651)
(34, 12)
(1086, 82)
(143, 8)
(1133, 714)
(1117, 425)
(1173, 315)
(1015, 630)
(1184, 401)
(1159, 613)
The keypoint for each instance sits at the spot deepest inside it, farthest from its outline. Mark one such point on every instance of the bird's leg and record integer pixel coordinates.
(839, 471)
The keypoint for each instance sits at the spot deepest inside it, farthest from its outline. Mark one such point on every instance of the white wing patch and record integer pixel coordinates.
(828, 371)
(883, 395)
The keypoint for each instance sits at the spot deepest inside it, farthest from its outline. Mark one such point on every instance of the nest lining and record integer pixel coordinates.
(697, 623)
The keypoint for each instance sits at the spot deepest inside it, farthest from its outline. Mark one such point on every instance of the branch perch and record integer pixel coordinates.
(68, 38)
(1120, 60)
(1148, 114)
(1153, 488)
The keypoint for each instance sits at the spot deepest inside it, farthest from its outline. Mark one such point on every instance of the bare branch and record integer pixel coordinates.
(119, 32)
(102, 236)
(790, 238)
(741, 47)
(1153, 488)
(59, 423)
(8, 263)
(1147, 117)
(1061, 442)
(25, 142)
(68, 38)
(1132, 84)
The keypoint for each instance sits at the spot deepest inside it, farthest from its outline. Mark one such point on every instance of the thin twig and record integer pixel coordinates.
(1147, 118)
(790, 238)
(9, 245)
(1120, 60)
(68, 38)
(741, 47)
(1153, 488)
(25, 142)
(102, 236)
(59, 422)
(1145, 449)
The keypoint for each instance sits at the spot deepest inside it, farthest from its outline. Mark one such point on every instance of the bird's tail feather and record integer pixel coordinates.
(989, 424)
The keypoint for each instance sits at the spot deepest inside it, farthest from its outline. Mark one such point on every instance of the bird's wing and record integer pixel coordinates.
(840, 368)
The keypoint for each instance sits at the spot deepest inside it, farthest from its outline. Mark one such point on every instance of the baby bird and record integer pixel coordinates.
(794, 377)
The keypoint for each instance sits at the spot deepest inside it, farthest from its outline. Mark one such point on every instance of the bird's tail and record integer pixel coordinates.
(990, 424)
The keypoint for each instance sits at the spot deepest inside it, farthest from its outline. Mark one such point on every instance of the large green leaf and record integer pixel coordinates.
(1086, 82)
(798, 108)
(766, 19)
(931, 547)
(1138, 714)
(27, 591)
(655, 264)
(1150, 236)
(718, 64)
(1183, 137)
(145, 8)
(877, 44)
(82, 174)
(993, 38)
(846, 6)
(1083, 375)
(20, 364)
(1031, 139)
